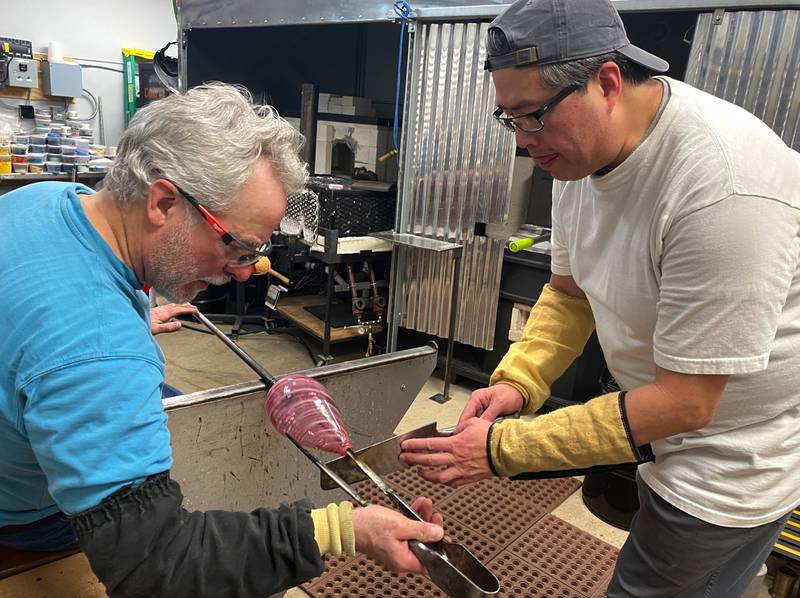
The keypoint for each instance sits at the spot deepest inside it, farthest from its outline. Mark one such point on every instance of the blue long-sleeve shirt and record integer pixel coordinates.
(80, 373)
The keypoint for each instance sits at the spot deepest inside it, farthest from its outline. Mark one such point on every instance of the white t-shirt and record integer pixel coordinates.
(689, 255)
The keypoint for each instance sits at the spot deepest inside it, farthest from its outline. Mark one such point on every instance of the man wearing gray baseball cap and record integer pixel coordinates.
(676, 236)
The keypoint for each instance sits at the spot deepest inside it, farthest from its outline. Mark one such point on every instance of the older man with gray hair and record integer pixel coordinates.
(198, 185)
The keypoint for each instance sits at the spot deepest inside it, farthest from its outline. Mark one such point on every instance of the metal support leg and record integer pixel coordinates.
(444, 396)
(241, 309)
(308, 123)
(326, 337)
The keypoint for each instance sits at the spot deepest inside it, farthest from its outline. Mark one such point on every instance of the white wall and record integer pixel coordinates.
(94, 30)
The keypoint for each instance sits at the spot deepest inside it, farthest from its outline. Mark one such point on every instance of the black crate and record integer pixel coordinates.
(355, 208)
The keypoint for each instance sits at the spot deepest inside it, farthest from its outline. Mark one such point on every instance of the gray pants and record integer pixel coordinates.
(670, 553)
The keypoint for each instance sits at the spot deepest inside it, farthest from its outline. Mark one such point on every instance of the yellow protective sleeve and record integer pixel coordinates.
(555, 334)
(575, 437)
(333, 529)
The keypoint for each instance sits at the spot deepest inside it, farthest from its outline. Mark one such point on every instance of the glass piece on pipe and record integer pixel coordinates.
(300, 407)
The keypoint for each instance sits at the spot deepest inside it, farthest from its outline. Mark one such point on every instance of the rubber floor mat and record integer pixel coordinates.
(505, 524)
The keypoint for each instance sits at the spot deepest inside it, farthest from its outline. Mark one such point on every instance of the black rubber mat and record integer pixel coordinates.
(505, 524)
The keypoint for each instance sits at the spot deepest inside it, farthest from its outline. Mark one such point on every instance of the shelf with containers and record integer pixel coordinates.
(56, 145)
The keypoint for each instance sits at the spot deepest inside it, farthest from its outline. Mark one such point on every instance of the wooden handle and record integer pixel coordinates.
(279, 276)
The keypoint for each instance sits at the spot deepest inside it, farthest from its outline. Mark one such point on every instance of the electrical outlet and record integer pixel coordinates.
(22, 72)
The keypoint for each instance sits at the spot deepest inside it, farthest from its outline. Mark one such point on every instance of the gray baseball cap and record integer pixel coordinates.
(552, 31)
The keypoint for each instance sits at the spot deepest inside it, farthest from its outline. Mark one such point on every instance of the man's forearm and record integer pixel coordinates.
(611, 429)
(555, 334)
(567, 439)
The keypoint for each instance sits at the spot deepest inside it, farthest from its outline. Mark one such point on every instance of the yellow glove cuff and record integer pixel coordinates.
(333, 529)
(346, 525)
(576, 437)
(555, 334)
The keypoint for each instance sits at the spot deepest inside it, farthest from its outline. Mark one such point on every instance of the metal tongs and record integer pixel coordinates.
(451, 566)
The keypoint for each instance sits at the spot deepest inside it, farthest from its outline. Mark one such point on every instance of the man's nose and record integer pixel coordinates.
(524, 139)
(240, 273)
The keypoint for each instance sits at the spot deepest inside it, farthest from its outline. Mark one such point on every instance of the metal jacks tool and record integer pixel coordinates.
(452, 567)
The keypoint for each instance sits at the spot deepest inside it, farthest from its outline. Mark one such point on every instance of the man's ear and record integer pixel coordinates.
(162, 202)
(610, 79)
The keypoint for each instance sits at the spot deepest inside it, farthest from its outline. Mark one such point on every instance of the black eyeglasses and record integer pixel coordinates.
(246, 259)
(532, 122)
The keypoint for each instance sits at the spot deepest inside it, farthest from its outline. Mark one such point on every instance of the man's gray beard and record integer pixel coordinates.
(172, 267)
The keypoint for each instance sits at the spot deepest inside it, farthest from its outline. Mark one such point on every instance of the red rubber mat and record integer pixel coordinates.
(505, 524)
(566, 554)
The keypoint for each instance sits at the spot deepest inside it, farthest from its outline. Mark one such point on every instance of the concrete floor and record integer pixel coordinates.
(198, 361)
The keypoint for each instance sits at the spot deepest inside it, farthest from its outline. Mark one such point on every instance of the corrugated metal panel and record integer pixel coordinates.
(426, 293)
(753, 60)
(459, 170)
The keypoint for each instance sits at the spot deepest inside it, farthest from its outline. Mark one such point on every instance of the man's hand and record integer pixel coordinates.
(383, 534)
(463, 454)
(161, 316)
(489, 403)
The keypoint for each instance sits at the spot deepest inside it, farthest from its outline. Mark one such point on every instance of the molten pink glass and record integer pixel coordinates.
(300, 407)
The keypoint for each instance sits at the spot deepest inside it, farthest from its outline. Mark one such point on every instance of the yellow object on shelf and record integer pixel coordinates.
(520, 244)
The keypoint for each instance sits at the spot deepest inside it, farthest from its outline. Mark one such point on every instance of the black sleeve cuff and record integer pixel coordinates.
(644, 453)
(489, 449)
(140, 541)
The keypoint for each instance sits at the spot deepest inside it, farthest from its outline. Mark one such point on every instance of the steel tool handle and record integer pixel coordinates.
(443, 560)
(452, 567)
(330, 473)
(267, 378)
